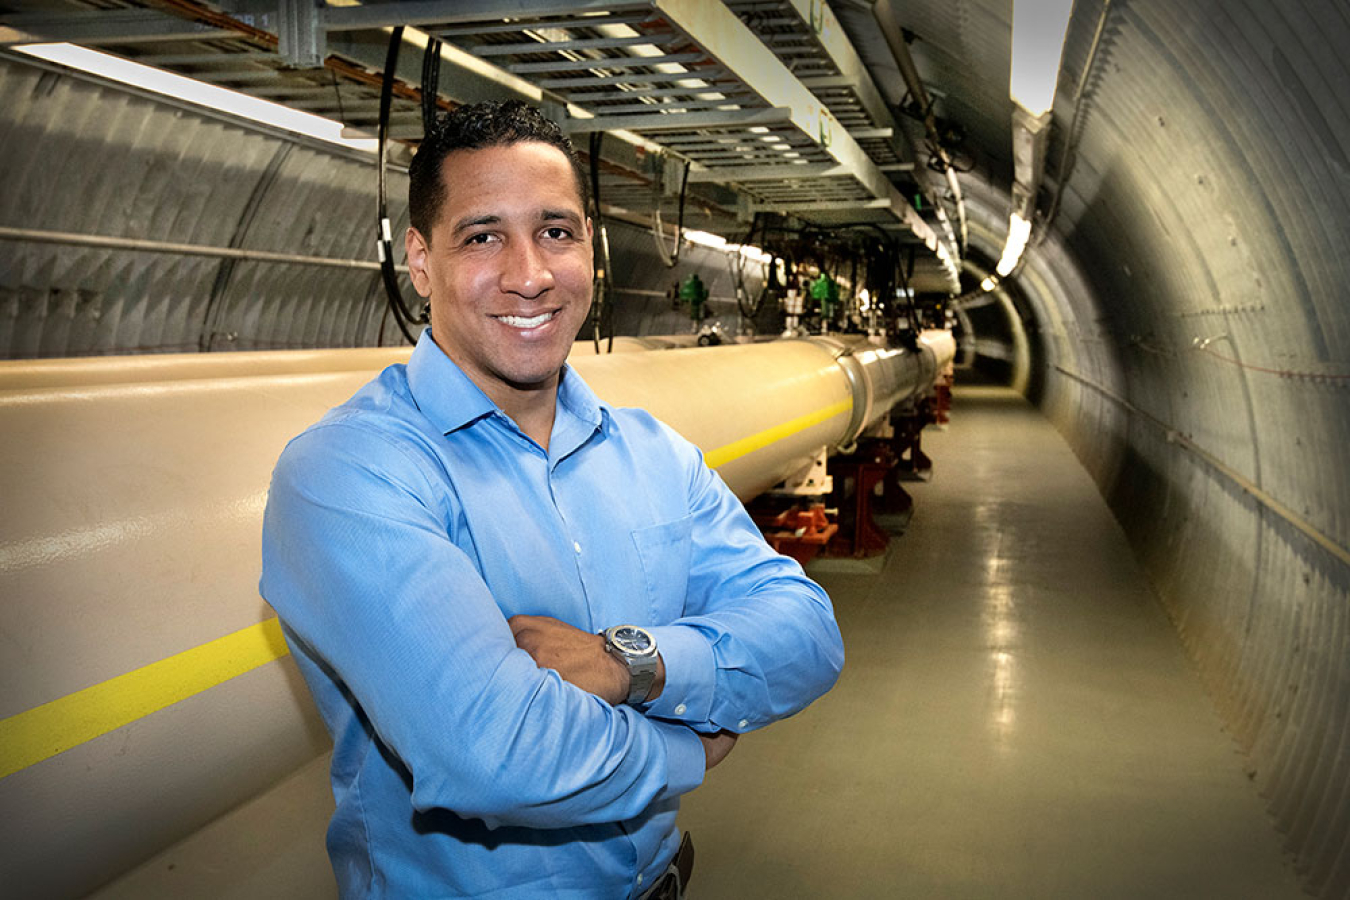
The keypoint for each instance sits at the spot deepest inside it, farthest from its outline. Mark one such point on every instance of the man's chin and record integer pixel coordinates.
(535, 378)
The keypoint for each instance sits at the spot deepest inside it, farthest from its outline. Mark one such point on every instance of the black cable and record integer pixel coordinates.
(383, 236)
(431, 82)
(906, 274)
(598, 301)
(601, 316)
(738, 276)
(658, 187)
(679, 222)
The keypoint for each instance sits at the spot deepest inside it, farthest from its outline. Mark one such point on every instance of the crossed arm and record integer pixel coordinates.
(580, 659)
(357, 562)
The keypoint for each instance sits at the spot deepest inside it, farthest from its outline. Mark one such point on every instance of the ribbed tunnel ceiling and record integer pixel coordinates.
(1184, 312)
(962, 49)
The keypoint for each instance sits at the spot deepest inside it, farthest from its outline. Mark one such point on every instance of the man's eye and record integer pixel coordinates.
(557, 234)
(481, 237)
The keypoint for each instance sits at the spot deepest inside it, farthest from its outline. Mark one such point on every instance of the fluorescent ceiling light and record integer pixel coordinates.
(989, 283)
(717, 242)
(1019, 230)
(754, 254)
(1037, 43)
(159, 81)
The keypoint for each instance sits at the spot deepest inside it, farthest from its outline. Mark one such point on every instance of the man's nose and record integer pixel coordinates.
(525, 270)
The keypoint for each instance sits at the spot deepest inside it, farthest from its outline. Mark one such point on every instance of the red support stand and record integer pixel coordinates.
(942, 399)
(856, 479)
(797, 532)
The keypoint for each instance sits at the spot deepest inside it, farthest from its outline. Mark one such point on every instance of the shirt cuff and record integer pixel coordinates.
(691, 674)
(686, 763)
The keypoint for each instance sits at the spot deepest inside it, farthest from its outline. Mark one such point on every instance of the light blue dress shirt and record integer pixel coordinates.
(402, 531)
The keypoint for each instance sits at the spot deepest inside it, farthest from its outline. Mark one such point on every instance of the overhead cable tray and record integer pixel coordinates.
(766, 98)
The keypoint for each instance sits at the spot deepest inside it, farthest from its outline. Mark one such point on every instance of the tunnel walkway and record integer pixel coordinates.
(1016, 718)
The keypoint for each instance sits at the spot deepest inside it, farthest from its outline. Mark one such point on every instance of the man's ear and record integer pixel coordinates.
(418, 249)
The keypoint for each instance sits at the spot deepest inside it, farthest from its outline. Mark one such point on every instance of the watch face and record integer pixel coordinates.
(631, 639)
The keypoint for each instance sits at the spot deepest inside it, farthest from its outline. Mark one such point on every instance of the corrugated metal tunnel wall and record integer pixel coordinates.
(1186, 321)
(93, 159)
(1208, 208)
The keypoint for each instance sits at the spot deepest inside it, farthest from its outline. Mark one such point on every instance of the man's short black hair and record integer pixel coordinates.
(495, 123)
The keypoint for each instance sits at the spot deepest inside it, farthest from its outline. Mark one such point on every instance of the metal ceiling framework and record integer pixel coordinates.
(767, 99)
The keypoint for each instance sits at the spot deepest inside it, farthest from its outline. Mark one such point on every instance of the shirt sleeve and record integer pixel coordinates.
(758, 639)
(358, 563)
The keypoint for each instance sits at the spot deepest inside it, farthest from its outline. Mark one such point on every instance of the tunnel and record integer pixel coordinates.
(1177, 314)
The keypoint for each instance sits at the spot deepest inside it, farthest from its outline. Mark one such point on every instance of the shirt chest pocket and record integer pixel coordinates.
(664, 551)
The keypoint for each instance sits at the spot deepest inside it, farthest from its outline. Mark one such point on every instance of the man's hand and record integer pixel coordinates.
(717, 746)
(578, 656)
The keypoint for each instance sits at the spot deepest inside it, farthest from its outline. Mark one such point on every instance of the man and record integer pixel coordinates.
(445, 549)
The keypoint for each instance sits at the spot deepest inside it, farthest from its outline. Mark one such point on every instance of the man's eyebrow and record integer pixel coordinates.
(553, 215)
(466, 224)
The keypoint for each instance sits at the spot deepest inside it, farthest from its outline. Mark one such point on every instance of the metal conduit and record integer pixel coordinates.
(105, 242)
(139, 663)
(885, 16)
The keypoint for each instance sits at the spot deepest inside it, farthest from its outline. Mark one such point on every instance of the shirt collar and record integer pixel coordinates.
(442, 391)
(576, 397)
(447, 397)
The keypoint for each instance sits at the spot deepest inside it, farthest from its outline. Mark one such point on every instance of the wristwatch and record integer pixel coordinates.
(635, 648)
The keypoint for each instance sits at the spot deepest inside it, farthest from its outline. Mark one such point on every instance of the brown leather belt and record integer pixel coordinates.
(672, 884)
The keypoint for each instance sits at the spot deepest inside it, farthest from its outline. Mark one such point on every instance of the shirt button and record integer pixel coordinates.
(742, 723)
(576, 546)
(679, 710)
(639, 878)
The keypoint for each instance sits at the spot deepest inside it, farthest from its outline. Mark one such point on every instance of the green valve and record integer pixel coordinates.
(694, 293)
(825, 289)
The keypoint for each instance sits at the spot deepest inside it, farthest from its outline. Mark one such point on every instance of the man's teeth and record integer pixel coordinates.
(531, 322)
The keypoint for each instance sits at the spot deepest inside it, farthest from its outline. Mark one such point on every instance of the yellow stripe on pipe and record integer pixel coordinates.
(44, 731)
(747, 445)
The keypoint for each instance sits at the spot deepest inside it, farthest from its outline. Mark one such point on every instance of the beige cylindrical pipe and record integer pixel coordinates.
(131, 533)
(23, 375)
(19, 375)
(758, 411)
(633, 344)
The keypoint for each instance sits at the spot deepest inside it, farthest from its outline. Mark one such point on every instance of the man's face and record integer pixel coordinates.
(508, 265)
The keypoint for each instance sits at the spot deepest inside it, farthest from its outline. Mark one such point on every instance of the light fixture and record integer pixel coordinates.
(989, 283)
(1019, 230)
(1037, 43)
(715, 241)
(1038, 31)
(753, 253)
(148, 78)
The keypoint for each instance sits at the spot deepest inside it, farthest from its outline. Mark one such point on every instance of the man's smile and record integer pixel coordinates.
(526, 323)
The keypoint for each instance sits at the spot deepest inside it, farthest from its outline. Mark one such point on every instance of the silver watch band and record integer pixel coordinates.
(640, 685)
(636, 649)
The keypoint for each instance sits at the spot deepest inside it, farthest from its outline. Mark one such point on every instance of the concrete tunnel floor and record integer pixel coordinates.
(1016, 719)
